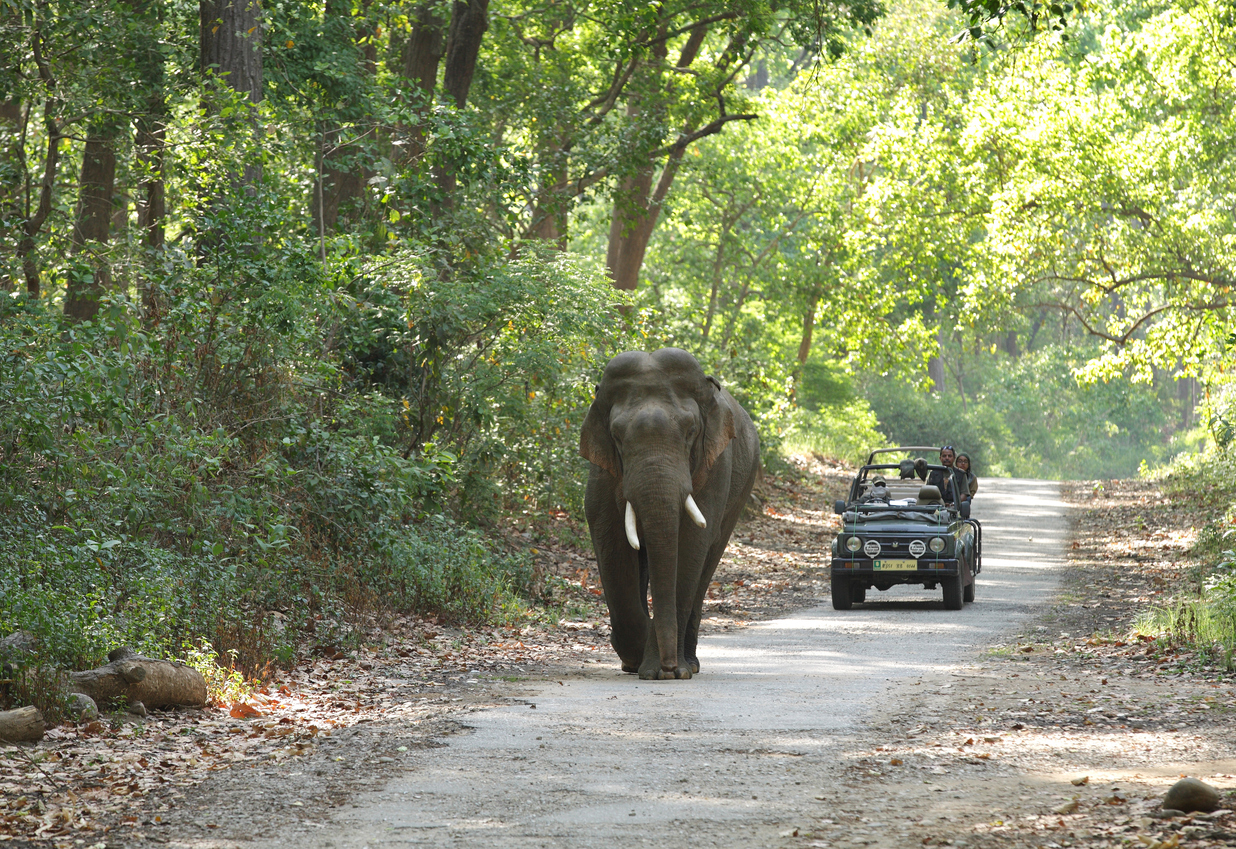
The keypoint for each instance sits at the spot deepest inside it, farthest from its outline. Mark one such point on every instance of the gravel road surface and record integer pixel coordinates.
(734, 757)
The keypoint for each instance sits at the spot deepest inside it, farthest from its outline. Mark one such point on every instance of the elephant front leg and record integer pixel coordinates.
(628, 617)
(691, 633)
(620, 568)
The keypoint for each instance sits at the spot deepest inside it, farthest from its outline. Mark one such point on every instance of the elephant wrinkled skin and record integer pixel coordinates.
(674, 458)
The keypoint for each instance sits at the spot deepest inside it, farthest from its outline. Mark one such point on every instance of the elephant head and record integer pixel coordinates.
(655, 433)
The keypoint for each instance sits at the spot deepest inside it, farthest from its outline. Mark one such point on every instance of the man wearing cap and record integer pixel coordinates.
(878, 491)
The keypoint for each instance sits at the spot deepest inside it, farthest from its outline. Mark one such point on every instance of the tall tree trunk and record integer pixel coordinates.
(935, 365)
(935, 371)
(550, 218)
(469, 22)
(804, 344)
(230, 43)
(714, 289)
(149, 142)
(92, 224)
(637, 205)
(34, 220)
(12, 178)
(151, 200)
(339, 189)
(47, 185)
(1008, 344)
(422, 56)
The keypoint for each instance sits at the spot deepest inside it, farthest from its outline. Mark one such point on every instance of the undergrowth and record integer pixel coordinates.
(233, 477)
(1203, 616)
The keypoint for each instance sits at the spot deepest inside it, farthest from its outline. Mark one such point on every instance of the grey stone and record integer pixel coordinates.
(1190, 794)
(17, 644)
(82, 707)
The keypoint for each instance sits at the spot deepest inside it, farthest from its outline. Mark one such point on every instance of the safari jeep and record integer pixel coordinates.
(897, 530)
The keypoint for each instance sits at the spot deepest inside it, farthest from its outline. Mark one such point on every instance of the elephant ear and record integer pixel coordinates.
(595, 443)
(718, 429)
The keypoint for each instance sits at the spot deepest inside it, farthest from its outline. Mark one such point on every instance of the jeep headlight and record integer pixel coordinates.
(871, 548)
(937, 544)
(918, 548)
(853, 544)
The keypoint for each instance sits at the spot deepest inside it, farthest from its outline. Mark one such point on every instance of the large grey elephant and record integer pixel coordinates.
(674, 458)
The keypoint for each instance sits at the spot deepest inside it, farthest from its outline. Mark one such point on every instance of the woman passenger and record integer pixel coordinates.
(962, 472)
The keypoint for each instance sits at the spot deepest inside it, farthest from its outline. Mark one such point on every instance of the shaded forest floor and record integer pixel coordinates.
(1068, 735)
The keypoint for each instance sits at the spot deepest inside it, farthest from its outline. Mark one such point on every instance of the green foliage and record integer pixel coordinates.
(1029, 417)
(224, 685)
(846, 432)
(831, 420)
(141, 508)
(442, 567)
(1203, 612)
(1206, 624)
(353, 331)
(495, 365)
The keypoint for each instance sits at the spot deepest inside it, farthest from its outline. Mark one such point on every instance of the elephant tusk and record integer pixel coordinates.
(694, 511)
(632, 536)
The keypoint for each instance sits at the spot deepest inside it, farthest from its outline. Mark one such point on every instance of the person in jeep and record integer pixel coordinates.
(939, 479)
(954, 485)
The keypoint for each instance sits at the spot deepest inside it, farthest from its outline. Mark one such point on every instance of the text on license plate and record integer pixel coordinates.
(894, 565)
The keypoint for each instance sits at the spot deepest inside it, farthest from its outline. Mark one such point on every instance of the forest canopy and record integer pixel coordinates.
(299, 301)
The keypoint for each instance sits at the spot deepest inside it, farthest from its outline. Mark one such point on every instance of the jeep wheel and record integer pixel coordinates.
(952, 593)
(858, 593)
(967, 595)
(842, 600)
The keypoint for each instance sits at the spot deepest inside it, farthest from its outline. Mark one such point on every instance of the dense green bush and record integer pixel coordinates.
(196, 477)
(495, 365)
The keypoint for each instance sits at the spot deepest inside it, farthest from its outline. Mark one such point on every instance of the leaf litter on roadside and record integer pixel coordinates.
(122, 771)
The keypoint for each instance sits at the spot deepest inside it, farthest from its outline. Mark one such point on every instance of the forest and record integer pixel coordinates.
(304, 301)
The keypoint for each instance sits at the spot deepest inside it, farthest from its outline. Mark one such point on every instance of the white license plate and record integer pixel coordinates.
(894, 565)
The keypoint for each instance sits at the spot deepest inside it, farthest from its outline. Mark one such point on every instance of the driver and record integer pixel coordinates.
(944, 481)
(936, 477)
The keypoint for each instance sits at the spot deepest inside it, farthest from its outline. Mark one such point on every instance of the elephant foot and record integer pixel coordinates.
(626, 667)
(657, 674)
(694, 664)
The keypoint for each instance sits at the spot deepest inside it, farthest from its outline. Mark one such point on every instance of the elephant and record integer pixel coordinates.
(674, 458)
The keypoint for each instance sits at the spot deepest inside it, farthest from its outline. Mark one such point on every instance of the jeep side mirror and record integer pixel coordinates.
(838, 507)
(965, 509)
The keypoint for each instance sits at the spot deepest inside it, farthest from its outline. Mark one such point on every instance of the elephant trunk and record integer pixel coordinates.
(656, 506)
(661, 542)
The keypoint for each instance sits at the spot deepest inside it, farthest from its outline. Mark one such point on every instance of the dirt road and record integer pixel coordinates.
(1039, 717)
(736, 756)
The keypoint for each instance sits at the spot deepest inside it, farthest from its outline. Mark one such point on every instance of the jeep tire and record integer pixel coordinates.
(953, 593)
(842, 600)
